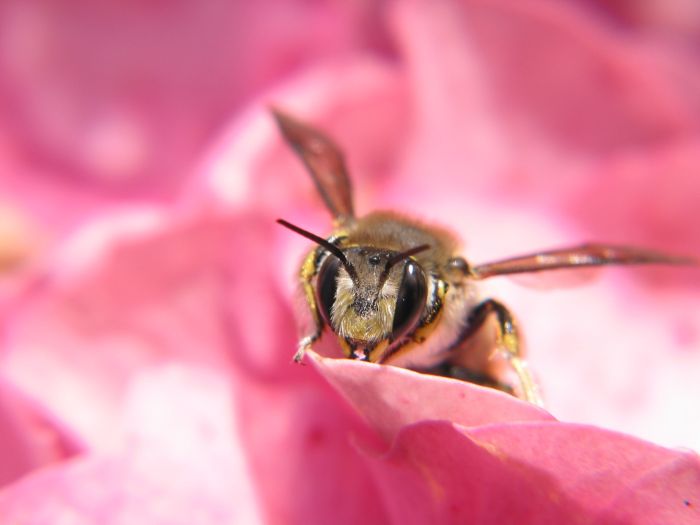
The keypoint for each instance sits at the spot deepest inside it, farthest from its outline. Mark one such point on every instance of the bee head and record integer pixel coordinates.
(368, 295)
(381, 298)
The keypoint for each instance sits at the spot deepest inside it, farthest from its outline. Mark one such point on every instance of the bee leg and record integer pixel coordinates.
(304, 345)
(469, 375)
(508, 348)
(308, 271)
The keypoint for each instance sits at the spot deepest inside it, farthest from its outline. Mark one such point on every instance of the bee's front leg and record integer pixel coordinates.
(304, 345)
(508, 348)
(308, 270)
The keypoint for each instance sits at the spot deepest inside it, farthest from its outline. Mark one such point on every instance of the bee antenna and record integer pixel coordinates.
(322, 242)
(405, 255)
(400, 257)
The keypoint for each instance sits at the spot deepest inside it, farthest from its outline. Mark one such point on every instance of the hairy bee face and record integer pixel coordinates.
(380, 300)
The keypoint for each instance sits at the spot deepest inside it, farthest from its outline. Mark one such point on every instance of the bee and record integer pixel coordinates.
(396, 291)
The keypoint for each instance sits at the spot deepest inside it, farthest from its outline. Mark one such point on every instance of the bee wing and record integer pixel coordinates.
(576, 257)
(323, 159)
(561, 279)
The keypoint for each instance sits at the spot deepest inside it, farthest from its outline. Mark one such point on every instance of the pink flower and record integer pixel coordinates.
(146, 371)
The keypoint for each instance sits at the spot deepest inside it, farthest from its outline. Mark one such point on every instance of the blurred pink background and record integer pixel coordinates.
(145, 290)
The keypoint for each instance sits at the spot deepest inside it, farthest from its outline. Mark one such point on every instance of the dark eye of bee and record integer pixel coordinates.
(410, 300)
(327, 285)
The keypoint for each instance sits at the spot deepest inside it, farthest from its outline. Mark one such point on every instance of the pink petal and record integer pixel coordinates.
(104, 104)
(179, 464)
(146, 293)
(675, 23)
(299, 439)
(29, 438)
(141, 88)
(520, 94)
(601, 470)
(434, 473)
(111, 491)
(391, 398)
(659, 211)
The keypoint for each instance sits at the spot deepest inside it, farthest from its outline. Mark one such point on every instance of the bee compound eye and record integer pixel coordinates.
(410, 300)
(327, 285)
